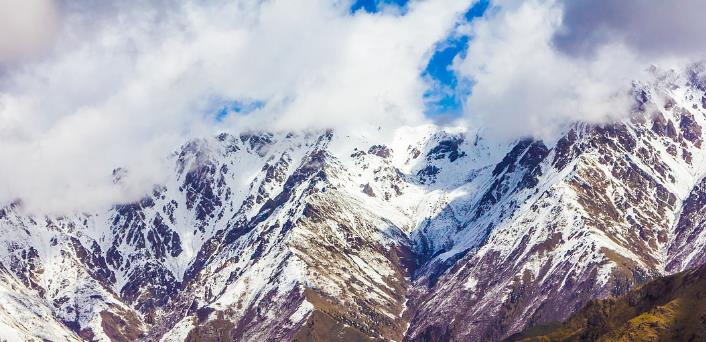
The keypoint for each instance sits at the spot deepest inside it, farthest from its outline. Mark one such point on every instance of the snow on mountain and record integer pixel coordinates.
(421, 233)
(591, 215)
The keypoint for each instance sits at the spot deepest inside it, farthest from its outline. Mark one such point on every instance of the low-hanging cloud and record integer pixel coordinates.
(127, 82)
(538, 66)
(124, 83)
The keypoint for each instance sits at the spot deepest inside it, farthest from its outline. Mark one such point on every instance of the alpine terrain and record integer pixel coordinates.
(422, 233)
(670, 308)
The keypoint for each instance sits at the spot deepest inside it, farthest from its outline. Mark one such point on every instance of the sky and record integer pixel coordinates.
(87, 86)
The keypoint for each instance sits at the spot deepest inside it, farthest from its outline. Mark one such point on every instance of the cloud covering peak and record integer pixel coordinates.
(87, 87)
(124, 83)
(538, 66)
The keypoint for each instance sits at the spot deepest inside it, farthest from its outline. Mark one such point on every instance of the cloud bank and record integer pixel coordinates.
(538, 66)
(86, 86)
(124, 83)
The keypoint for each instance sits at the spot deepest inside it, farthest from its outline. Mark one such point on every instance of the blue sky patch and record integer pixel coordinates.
(447, 92)
(237, 107)
(477, 10)
(374, 6)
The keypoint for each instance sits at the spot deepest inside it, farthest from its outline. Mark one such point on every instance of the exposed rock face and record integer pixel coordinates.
(432, 235)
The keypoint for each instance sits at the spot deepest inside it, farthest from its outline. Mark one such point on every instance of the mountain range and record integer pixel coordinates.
(424, 233)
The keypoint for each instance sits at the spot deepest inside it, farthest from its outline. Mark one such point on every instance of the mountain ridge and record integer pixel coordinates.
(430, 235)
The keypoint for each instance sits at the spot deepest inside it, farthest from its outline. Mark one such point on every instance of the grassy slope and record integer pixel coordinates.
(672, 308)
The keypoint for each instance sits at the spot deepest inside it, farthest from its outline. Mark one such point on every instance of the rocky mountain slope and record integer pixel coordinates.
(671, 308)
(418, 234)
(588, 216)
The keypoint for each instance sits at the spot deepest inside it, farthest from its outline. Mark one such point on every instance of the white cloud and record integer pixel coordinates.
(127, 83)
(523, 86)
(123, 83)
(527, 85)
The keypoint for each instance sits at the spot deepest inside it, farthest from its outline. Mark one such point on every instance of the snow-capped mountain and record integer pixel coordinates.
(427, 234)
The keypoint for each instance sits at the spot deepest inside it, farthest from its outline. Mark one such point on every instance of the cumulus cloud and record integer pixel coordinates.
(127, 82)
(538, 66)
(89, 86)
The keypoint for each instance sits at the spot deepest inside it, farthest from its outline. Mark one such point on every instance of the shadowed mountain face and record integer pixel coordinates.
(430, 235)
(671, 308)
